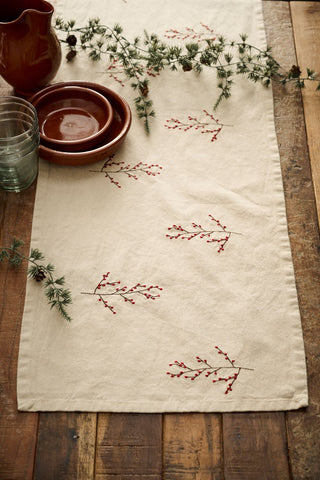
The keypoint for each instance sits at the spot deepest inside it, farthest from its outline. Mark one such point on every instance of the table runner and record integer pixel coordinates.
(175, 249)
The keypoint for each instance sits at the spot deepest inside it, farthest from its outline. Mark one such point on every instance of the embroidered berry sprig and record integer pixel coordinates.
(226, 372)
(191, 34)
(58, 296)
(106, 289)
(219, 234)
(111, 168)
(210, 125)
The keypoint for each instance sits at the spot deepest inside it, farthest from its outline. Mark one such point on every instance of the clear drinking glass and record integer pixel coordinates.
(19, 144)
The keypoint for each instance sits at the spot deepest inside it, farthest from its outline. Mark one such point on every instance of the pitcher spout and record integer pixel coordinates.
(30, 52)
(15, 10)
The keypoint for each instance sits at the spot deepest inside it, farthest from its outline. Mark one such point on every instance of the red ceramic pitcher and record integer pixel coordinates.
(30, 52)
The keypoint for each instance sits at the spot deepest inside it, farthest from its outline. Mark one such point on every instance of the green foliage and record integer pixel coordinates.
(58, 297)
(148, 56)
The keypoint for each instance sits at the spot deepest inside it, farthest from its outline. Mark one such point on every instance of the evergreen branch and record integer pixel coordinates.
(148, 56)
(57, 297)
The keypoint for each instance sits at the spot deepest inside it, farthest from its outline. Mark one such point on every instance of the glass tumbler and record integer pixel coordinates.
(19, 144)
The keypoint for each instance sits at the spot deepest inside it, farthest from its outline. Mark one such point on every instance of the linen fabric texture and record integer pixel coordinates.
(204, 322)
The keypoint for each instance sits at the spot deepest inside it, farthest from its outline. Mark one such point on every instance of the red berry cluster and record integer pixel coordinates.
(105, 289)
(209, 125)
(191, 33)
(199, 231)
(151, 72)
(205, 368)
(115, 70)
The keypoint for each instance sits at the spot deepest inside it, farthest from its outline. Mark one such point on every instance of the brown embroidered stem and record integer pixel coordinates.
(210, 125)
(129, 170)
(210, 234)
(193, 373)
(192, 34)
(148, 292)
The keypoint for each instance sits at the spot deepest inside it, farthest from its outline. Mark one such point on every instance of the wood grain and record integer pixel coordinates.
(255, 446)
(18, 431)
(192, 447)
(306, 22)
(129, 447)
(304, 427)
(66, 446)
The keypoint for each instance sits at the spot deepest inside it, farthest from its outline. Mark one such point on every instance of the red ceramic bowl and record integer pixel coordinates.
(72, 118)
(110, 142)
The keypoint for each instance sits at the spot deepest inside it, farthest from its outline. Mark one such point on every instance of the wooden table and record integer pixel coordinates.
(237, 446)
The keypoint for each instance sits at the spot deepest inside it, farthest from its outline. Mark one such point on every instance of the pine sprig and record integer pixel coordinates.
(58, 297)
(148, 55)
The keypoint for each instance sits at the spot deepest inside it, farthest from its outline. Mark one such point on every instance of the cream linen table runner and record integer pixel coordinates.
(181, 275)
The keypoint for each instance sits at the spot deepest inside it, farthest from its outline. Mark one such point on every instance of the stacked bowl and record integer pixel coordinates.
(80, 122)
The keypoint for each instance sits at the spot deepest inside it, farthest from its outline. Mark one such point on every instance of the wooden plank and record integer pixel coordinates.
(66, 446)
(255, 446)
(304, 427)
(306, 23)
(129, 447)
(192, 446)
(17, 430)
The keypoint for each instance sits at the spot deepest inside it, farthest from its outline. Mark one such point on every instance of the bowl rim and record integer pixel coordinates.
(95, 154)
(83, 142)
